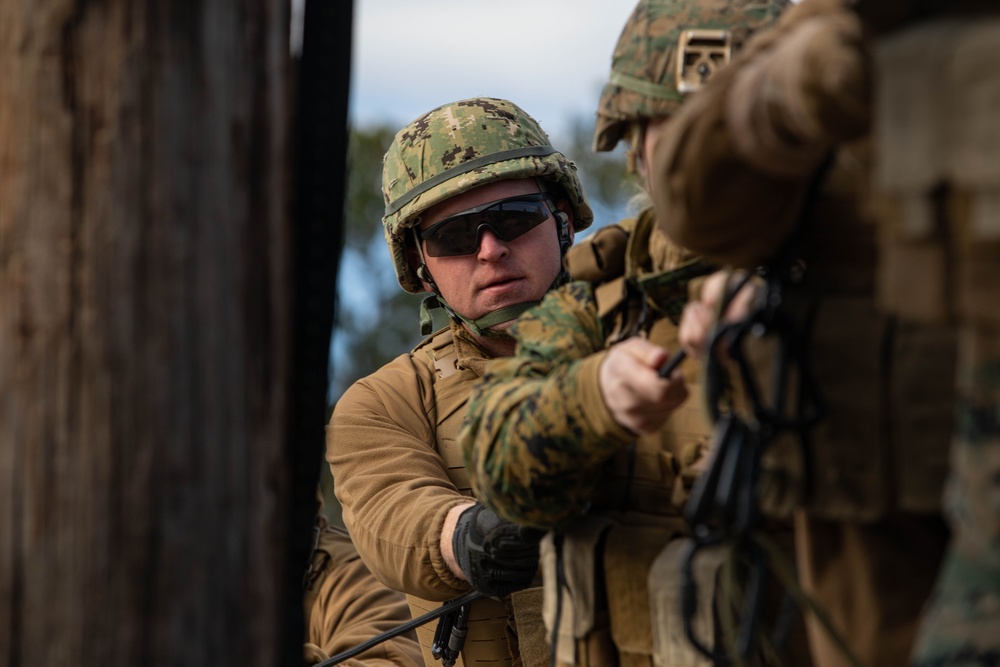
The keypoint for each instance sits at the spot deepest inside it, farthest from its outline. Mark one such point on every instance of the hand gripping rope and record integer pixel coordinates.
(723, 508)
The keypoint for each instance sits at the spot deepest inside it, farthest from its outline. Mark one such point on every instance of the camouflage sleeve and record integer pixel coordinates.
(537, 431)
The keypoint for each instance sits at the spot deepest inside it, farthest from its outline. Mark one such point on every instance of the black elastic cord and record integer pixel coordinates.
(400, 629)
(464, 168)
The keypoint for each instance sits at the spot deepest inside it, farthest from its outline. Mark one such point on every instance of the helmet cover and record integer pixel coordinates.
(668, 48)
(460, 146)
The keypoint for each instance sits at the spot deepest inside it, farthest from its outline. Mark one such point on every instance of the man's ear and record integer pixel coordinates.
(413, 259)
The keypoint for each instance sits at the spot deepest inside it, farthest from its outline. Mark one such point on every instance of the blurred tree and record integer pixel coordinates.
(605, 178)
(376, 320)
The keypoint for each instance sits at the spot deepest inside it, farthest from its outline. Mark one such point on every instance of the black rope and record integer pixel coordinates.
(446, 608)
(723, 508)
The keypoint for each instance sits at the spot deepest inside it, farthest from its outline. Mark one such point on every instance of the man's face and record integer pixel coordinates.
(651, 134)
(498, 273)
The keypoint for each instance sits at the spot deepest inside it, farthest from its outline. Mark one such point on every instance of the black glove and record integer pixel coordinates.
(497, 556)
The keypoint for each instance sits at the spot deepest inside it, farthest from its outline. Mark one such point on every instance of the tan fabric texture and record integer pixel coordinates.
(349, 606)
(873, 579)
(397, 470)
(714, 199)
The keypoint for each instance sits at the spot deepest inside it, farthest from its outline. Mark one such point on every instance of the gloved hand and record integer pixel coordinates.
(823, 70)
(497, 556)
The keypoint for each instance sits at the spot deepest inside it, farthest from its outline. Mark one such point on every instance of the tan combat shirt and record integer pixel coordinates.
(391, 446)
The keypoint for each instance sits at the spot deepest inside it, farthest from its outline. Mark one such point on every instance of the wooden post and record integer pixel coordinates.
(145, 326)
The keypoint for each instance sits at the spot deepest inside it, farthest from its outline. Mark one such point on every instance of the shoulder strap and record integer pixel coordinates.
(438, 352)
(632, 303)
(601, 256)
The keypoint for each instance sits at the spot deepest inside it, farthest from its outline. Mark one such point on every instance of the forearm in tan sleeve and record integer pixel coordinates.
(352, 607)
(709, 198)
(733, 167)
(392, 485)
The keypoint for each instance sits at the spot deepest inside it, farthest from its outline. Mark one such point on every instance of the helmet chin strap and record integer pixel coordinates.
(479, 326)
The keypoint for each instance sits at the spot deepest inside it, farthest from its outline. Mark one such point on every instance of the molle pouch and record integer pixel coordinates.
(976, 215)
(882, 442)
(601, 257)
(486, 644)
(848, 476)
(783, 476)
(714, 599)
(629, 553)
(781, 488)
(671, 646)
(531, 638)
(913, 261)
(913, 268)
(574, 598)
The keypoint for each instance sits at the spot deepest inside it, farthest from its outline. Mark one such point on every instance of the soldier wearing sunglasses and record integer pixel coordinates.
(480, 209)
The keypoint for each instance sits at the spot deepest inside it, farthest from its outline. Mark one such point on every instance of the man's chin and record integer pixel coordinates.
(503, 326)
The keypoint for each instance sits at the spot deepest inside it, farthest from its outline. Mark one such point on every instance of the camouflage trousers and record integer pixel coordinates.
(961, 625)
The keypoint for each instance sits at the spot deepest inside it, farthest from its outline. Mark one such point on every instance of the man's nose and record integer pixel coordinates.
(491, 246)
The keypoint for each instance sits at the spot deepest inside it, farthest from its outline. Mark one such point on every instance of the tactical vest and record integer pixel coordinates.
(619, 565)
(490, 641)
(655, 476)
(938, 174)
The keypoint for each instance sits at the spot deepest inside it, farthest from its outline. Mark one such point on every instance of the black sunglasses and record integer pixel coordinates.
(507, 218)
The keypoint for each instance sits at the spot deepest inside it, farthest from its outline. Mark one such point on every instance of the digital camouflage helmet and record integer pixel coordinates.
(667, 49)
(457, 147)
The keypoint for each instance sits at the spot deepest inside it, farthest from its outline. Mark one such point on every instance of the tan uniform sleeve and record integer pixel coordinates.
(709, 199)
(732, 169)
(391, 481)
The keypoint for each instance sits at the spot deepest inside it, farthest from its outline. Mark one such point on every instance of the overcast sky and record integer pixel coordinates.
(550, 57)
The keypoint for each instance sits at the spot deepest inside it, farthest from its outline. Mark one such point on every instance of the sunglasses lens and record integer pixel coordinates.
(456, 236)
(459, 234)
